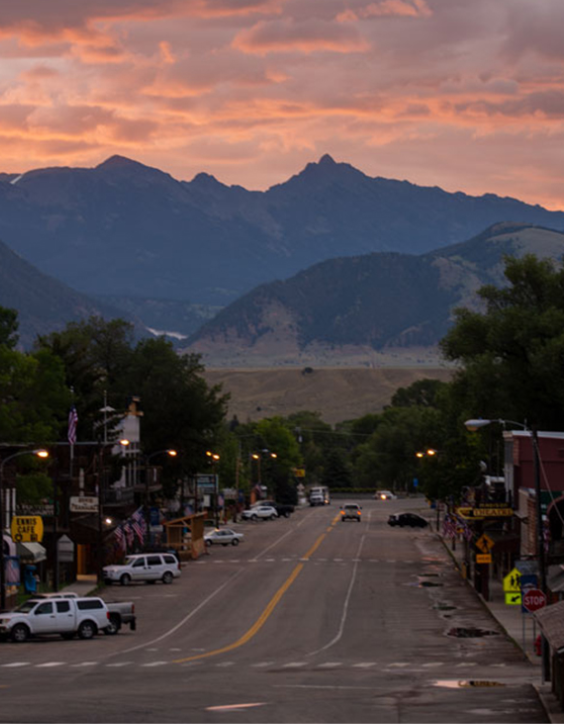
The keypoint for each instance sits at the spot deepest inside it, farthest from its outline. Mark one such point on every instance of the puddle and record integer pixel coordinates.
(463, 632)
(465, 683)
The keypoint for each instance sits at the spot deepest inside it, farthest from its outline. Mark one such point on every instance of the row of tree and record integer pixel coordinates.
(507, 357)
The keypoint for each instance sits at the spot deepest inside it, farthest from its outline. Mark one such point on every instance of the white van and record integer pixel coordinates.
(148, 567)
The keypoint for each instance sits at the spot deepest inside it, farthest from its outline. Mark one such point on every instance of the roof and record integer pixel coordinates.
(551, 621)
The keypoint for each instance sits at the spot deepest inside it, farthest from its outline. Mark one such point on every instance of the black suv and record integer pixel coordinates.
(411, 519)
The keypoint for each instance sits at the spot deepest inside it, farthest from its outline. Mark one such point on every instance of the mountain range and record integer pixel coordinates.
(380, 302)
(170, 254)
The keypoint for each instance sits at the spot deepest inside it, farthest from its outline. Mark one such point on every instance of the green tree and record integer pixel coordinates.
(337, 472)
(8, 327)
(512, 354)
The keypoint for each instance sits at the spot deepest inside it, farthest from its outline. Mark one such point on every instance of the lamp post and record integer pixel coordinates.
(41, 454)
(214, 458)
(147, 458)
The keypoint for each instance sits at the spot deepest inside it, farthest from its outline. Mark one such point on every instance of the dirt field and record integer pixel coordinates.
(337, 393)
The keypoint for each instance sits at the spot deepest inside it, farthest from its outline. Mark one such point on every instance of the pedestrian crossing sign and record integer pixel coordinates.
(512, 582)
(484, 543)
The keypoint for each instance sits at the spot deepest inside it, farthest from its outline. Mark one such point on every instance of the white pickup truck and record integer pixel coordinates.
(65, 616)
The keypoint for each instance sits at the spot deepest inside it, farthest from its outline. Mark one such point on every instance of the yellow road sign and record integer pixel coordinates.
(483, 558)
(512, 582)
(484, 543)
(513, 599)
(27, 528)
(481, 513)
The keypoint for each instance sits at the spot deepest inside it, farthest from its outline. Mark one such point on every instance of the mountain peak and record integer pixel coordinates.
(327, 160)
(117, 161)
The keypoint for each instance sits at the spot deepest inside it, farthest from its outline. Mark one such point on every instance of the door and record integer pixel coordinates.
(45, 619)
(65, 616)
(155, 568)
(138, 569)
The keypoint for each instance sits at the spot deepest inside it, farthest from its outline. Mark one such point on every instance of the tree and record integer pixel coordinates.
(8, 327)
(337, 472)
(512, 354)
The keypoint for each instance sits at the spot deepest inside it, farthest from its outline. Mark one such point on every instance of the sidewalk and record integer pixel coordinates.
(519, 627)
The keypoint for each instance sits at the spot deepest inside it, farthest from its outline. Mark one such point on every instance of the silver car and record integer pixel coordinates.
(223, 536)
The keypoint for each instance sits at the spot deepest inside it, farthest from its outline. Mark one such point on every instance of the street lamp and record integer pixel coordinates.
(147, 458)
(214, 458)
(39, 453)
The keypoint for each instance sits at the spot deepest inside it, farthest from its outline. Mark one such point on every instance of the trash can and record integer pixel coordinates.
(30, 580)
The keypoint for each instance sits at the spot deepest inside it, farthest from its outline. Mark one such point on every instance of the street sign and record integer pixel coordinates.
(534, 599)
(512, 582)
(483, 557)
(27, 529)
(83, 504)
(484, 543)
(513, 599)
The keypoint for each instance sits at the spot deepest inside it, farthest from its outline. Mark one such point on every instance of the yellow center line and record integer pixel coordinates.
(259, 623)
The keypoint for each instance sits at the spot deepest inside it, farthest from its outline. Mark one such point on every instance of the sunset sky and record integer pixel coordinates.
(467, 95)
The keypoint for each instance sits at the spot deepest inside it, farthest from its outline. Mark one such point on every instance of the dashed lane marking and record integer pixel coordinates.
(15, 664)
(294, 665)
(50, 664)
(155, 663)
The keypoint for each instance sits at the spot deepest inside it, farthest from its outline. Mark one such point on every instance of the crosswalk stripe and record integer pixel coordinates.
(330, 665)
(15, 664)
(117, 664)
(364, 665)
(50, 664)
(85, 663)
(155, 663)
(294, 665)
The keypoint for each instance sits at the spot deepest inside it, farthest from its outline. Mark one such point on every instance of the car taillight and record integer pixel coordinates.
(132, 608)
(108, 615)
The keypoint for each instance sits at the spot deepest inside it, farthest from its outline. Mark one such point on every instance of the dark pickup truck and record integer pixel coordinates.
(284, 510)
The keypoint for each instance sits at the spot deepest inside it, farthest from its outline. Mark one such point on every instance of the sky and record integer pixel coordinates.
(467, 95)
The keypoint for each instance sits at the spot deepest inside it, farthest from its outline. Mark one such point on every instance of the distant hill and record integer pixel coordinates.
(44, 304)
(125, 230)
(378, 302)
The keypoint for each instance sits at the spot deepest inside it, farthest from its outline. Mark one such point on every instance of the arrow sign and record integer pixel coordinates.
(513, 599)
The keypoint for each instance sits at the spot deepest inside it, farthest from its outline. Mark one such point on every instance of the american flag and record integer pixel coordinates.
(137, 521)
(129, 534)
(449, 527)
(120, 538)
(73, 422)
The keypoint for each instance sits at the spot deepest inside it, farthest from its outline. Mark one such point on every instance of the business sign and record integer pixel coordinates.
(27, 529)
(481, 513)
(83, 504)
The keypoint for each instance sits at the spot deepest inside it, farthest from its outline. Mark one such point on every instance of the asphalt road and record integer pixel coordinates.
(309, 620)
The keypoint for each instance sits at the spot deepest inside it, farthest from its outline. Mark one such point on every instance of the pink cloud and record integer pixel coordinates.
(387, 8)
(304, 37)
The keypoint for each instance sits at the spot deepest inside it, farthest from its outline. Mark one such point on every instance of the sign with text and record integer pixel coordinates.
(481, 513)
(483, 557)
(534, 599)
(27, 529)
(83, 504)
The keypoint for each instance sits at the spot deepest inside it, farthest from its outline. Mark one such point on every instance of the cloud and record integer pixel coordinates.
(387, 8)
(304, 37)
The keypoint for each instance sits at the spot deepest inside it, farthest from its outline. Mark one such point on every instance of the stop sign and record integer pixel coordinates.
(534, 599)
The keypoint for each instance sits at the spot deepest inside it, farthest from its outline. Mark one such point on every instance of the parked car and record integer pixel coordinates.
(283, 509)
(384, 495)
(351, 511)
(65, 616)
(411, 519)
(223, 536)
(264, 512)
(148, 567)
(121, 612)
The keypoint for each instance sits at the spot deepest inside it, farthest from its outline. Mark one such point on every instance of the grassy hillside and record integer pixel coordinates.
(337, 393)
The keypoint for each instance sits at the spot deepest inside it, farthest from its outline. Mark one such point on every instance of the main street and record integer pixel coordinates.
(309, 620)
